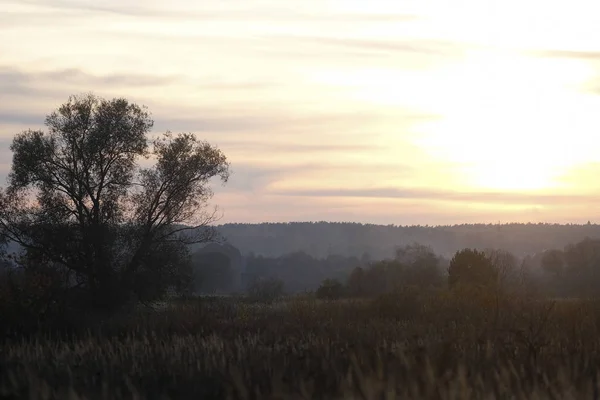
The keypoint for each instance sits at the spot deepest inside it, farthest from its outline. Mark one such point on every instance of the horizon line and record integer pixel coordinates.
(412, 225)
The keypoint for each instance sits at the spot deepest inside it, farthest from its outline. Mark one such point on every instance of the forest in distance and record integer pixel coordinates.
(563, 271)
(322, 239)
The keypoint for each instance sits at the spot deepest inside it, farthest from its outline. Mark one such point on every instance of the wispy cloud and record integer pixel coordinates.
(270, 147)
(385, 111)
(234, 10)
(369, 46)
(17, 82)
(447, 196)
(573, 54)
(21, 118)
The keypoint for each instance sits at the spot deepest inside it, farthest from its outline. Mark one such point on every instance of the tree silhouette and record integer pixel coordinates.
(330, 289)
(553, 261)
(504, 264)
(213, 272)
(471, 267)
(582, 261)
(422, 265)
(77, 199)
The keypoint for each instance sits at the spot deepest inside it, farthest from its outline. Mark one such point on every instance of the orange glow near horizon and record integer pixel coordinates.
(413, 111)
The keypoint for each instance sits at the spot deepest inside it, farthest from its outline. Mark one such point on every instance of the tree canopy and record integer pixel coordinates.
(79, 200)
(472, 267)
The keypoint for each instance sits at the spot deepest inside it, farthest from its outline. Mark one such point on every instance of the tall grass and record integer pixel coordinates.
(412, 345)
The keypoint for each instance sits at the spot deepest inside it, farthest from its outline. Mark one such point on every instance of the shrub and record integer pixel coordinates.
(330, 289)
(402, 304)
(266, 290)
(31, 299)
(356, 283)
(471, 267)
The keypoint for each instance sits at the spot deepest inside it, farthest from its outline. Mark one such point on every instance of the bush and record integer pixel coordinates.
(266, 290)
(330, 289)
(401, 304)
(31, 299)
(472, 267)
(413, 266)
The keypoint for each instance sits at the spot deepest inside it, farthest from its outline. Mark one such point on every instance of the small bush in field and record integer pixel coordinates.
(29, 299)
(330, 289)
(266, 290)
(402, 303)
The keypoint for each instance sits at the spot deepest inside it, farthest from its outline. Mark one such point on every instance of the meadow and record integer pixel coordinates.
(411, 344)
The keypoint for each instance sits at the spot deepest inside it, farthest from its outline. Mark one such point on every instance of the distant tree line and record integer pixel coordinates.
(299, 271)
(322, 239)
(571, 272)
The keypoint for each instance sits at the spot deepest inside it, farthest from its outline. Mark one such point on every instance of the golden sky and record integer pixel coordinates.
(404, 112)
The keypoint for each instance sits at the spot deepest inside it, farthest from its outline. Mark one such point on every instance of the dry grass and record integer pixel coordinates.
(413, 346)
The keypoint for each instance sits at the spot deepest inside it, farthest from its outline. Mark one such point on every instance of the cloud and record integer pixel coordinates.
(59, 84)
(234, 11)
(184, 24)
(251, 178)
(259, 177)
(122, 8)
(254, 124)
(27, 97)
(443, 195)
(250, 129)
(308, 97)
(20, 118)
(15, 81)
(581, 55)
(292, 147)
(216, 124)
(421, 46)
(20, 89)
(264, 207)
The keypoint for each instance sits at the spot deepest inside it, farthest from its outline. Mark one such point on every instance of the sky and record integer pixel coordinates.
(392, 112)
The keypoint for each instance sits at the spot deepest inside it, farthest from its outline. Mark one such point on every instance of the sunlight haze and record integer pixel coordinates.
(403, 112)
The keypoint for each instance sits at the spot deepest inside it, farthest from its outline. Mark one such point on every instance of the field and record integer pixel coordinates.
(409, 345)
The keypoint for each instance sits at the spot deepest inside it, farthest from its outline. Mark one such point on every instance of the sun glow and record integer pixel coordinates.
(397, 104)
(500, 117)
(520, 176)
(511, 125)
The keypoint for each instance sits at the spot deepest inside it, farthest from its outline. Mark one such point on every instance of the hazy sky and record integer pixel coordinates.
(422, 111)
